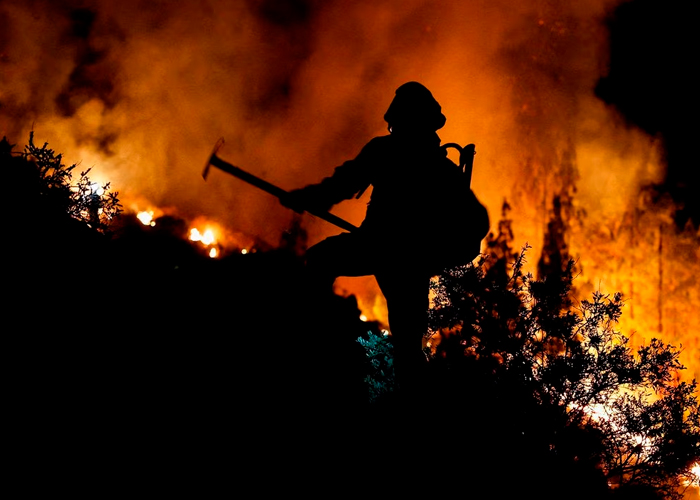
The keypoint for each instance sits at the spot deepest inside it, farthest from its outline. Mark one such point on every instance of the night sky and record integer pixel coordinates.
(652, 82)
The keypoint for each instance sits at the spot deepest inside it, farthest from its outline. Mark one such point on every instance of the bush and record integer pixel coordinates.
(585, 401)
(44, 185)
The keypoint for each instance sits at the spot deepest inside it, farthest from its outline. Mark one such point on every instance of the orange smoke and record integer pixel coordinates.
(141, 93)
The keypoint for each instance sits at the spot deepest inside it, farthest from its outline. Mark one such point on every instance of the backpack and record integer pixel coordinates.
(469, 218)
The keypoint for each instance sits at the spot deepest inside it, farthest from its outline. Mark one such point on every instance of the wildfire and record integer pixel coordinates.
(96, 189)
(696, 475)
(520, 83)
(146, 218)
(206, 238)
(599, 412)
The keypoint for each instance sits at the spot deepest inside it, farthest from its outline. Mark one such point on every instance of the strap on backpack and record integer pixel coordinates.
(466, 157)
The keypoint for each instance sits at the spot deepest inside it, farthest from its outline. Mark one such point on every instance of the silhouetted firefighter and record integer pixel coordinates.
(421, 219)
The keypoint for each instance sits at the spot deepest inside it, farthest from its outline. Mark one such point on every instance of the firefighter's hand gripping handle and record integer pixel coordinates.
(266, 186)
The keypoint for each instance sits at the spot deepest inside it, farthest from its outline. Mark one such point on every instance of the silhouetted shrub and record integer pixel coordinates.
(556, 384)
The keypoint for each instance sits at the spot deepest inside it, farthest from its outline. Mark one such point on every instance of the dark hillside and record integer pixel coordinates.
(133, 359)
(135, 348)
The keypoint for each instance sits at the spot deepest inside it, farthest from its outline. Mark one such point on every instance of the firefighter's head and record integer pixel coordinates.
(414, 108)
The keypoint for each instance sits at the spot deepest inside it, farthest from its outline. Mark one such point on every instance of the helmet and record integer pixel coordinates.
(415, 106)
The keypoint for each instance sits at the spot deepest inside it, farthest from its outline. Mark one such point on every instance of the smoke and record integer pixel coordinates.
(140, 91)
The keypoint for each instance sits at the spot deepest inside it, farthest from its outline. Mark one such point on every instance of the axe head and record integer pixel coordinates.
(216, 149)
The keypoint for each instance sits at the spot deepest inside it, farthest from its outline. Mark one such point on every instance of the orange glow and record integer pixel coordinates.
(146, 218)
(696, 475)
(142, 94)
(517, 79)
(206, 238)
(693, 484)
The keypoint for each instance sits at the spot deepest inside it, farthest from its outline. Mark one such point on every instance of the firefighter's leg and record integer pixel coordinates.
(341, 255)
(406, 294)
(337, 324)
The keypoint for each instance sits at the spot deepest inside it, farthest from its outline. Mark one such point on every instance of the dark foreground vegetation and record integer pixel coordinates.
(134, 363)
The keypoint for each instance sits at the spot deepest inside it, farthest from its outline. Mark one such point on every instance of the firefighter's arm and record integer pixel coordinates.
(347, 180)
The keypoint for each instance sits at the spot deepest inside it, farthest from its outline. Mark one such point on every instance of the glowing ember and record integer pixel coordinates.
(696, 475)
(146, 218)
(206, 238)
(95, 188)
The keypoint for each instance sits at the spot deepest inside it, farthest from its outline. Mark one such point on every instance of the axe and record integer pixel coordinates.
(217, 162)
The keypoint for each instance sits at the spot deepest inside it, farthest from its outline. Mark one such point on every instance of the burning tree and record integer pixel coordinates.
(558, 384)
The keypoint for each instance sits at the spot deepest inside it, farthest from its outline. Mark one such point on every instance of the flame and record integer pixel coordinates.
(146, 218)
(598, 412)
(206, 238)
(695, 470)
(141, 95)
